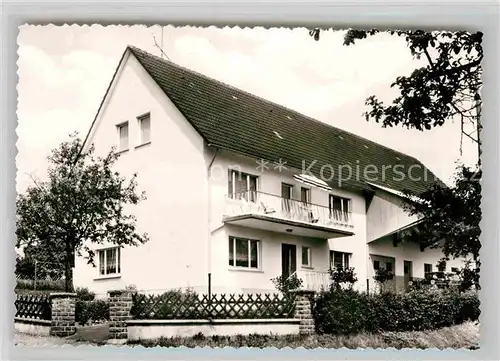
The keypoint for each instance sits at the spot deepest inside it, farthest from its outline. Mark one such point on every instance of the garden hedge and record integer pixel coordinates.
(349, 312)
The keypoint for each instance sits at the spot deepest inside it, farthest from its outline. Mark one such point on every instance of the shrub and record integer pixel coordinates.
(285, 284)
(346, 311)
(84, 294)
(41, 285)
(91, 311)
(343, 276)
(338, 311)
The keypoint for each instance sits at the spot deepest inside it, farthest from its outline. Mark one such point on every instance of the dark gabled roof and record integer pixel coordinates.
(233, 119)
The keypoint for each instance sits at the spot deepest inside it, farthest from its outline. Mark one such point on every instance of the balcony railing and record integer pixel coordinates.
(254, 202)
(313, 280)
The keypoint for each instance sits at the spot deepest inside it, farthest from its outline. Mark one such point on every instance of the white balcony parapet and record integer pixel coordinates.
(313, 280)
(259, 203)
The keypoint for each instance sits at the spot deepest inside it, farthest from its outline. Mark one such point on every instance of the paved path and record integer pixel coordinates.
(96, 335)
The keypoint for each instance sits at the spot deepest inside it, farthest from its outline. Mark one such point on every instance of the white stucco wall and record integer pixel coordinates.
(385, 214)
(237, 280)
(270, 181)
(172, 171)
(407, 251)
(151, 330)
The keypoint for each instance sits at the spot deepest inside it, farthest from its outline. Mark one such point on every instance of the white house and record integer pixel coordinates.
(241, 190)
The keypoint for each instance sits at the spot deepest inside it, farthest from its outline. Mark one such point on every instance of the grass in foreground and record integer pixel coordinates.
(460, 336)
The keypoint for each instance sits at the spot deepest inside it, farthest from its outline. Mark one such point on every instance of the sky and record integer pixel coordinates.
(64, 72)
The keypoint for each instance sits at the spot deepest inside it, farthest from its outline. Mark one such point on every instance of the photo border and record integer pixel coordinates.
(452, 15)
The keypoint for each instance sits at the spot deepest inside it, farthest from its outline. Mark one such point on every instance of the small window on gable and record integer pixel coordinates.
(123, 136)
(145, 128)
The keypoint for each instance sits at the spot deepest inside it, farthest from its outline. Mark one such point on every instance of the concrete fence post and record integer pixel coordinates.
(62, 322)
(120, 304)
(303, 311)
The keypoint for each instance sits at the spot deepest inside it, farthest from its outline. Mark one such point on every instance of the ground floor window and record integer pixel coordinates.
(306, 256)
(109, 261)
(339, 259)
(244, 252)
(427, 268)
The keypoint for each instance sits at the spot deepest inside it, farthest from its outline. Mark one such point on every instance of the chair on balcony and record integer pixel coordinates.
(312, 218)
(266, 209)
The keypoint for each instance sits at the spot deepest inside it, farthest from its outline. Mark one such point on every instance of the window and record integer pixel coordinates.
(286, 195)
(145, 128)
(427, 268)
(376, 265)
(388, 266)
(286, 191)
(305, 195)
(338, 206)
(123, 135)
(242, 186)
(243, 253)
(339, 259)
(109, 261)
(306, 256)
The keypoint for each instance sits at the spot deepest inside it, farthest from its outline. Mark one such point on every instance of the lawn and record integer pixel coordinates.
(465, 335)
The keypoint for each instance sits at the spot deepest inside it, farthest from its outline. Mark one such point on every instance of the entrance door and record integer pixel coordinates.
(408, 272)
(288, 259)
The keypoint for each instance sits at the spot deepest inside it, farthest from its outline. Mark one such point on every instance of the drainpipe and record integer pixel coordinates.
(209, 232)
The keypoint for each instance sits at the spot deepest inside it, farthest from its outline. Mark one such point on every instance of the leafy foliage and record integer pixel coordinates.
(447, 87)
(343, 312)
(340, 311)
(450, 218)
(82, 202)
(35, 262)
(84, 294)
(285, 284)
(343, 276)
(383, 275)
(41, 285)
(91, 311)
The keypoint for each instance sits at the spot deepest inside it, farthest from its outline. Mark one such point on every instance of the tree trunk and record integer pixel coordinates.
(68, 271)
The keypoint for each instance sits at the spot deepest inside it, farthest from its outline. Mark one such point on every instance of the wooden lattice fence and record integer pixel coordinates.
(173, 305)
(33, 306)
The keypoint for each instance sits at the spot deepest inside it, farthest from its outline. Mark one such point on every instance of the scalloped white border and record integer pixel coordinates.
(445, 14)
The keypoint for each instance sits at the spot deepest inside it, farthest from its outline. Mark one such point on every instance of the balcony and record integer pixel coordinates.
(313, 280)
(270, 212)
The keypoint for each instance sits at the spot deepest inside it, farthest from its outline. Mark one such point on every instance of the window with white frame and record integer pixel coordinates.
(123, 136)
(145, 128)
(242, 186)
(244, 253)
(339, 259)
(306, 256)
(305, 195)
(109, 261)
(339, 207)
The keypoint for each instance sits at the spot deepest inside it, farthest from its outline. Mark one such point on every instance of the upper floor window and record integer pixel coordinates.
(242, 186)
(145, 128)
(123, 136)
(109, 261)
(339, 207)
(305, 195)
(286, 196)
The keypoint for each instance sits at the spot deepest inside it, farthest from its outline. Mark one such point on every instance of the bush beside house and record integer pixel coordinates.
(88, 309)
(339, 311)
